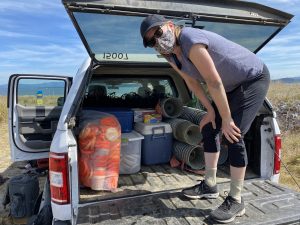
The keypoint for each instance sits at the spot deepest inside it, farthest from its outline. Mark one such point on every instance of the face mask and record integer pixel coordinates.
(166, 43)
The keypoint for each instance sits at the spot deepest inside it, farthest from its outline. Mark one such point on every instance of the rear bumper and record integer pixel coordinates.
(61, 212)
(275, 178)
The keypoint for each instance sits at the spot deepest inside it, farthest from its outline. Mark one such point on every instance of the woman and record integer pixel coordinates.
(237, 81)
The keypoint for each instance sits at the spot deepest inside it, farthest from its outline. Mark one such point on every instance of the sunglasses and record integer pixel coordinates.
(157, 34)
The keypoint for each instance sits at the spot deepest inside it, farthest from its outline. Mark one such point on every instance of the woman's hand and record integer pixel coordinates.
(209, 117)
(230, 130)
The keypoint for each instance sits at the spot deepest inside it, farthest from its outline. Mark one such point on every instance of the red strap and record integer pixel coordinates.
(176, 164)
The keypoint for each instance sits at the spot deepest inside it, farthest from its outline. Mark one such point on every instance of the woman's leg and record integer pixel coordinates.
(211, 144)
(211, 162)
(237, 182)
(244, 103)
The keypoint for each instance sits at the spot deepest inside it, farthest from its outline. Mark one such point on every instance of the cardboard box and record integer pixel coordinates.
(139, 114)
(152, 118)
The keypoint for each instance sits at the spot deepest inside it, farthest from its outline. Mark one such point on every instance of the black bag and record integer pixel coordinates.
(43, 213)
(44, 217)
(22, 193)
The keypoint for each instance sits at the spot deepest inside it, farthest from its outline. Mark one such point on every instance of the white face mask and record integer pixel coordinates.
(166, 43)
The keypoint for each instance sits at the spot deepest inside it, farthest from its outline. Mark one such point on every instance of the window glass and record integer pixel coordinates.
(40, 92)
(247, 35)
(117, 37)
(128, 91)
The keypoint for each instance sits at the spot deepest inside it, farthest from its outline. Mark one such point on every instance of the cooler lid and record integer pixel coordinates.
(132, 136)
(153, 128)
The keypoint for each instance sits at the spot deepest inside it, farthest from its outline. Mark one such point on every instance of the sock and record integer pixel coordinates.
(236, 186)
(211, 176)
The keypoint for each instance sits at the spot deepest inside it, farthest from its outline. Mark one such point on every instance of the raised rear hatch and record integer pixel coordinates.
(110, 30)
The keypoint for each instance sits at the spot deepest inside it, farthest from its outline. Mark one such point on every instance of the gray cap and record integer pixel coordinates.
(149, 22)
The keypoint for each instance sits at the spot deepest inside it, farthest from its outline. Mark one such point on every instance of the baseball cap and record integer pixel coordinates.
(149, 22)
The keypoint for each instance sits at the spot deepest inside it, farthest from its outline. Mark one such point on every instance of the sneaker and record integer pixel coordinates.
(229, 209)
(201, 190)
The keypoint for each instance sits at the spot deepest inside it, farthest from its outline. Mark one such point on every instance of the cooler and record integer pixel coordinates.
(130, 161)
(157, 144)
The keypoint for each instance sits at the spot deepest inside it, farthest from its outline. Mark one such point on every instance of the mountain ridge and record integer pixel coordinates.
(286, 80)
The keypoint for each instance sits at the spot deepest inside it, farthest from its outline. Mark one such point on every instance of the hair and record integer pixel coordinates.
(177, 31)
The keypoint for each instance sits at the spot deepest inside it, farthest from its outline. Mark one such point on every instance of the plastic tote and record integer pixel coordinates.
(131, 144)
(157, 144)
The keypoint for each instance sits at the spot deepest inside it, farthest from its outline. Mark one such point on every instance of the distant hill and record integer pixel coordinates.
(288, 80)
(30, 90)
(47, 88)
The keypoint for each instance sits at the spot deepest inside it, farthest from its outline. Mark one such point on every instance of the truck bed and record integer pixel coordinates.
(156, 178)
(266, 203)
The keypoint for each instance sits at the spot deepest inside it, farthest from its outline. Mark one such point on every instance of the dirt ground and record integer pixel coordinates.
(7, 171)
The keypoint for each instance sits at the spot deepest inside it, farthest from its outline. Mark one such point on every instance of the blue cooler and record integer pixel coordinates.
(157, 144)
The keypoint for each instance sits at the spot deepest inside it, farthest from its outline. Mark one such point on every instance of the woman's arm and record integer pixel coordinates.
(197, 89)
(205, 65)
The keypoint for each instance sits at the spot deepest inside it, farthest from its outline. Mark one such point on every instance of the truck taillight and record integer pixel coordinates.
(59, 185)
(277, 156)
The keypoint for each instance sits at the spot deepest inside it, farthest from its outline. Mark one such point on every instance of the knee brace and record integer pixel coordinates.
(209, 135)
(237, 154)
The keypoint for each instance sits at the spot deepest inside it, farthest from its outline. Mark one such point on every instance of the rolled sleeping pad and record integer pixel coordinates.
(185, 131)
(192, 155)
(171, 107)
(191, 114)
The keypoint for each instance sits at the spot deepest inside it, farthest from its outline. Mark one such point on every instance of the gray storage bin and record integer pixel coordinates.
(130, 161)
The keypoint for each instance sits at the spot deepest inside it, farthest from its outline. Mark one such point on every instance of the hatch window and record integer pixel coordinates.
(117, 37)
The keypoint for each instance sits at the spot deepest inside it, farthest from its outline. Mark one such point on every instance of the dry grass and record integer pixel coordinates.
(291, 158)
(3, 109)
(4, 141)
(4, 149)
(287, 93)
(27, 100)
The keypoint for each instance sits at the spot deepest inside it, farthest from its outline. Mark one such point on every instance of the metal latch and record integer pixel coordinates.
(72, 122)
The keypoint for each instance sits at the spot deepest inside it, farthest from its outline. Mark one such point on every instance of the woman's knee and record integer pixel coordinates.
(237, 154)
(210, 138)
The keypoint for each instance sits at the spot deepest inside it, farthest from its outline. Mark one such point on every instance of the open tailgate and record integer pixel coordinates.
(266, 203)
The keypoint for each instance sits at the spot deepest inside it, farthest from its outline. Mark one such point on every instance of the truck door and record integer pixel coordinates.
(35, 103)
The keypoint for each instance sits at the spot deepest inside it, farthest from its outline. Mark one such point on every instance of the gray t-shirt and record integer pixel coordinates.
(234, 63)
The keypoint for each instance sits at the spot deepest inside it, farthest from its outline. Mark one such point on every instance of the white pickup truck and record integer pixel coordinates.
(44, 115)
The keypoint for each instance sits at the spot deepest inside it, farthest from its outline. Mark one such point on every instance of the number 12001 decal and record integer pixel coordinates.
(115, 55)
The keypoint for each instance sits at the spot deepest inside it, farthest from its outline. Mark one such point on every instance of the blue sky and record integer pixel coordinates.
(38, 37)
